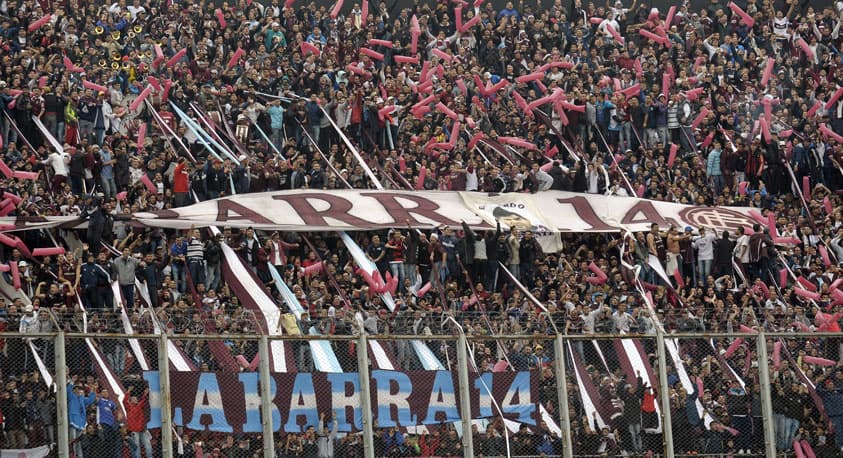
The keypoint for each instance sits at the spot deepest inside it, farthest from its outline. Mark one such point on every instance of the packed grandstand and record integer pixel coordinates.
(721, 125)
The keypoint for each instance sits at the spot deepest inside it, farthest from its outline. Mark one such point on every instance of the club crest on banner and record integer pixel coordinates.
(721, 219)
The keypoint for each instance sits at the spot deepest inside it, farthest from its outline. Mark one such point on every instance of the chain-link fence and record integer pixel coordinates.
(112, 390)
(104, 392)
(715, 395)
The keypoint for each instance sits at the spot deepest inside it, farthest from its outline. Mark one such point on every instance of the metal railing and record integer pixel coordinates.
(563, 372)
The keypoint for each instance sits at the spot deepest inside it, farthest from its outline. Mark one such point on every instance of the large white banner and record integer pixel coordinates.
(354, 210)
(546, 213)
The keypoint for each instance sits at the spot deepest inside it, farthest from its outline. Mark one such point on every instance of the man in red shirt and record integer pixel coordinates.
(181, 183)
(136, 422)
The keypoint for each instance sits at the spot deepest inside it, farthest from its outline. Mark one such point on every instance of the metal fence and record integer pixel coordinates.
(179, 394)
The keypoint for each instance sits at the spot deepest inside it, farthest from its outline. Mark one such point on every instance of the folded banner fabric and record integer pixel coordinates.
(39, 452)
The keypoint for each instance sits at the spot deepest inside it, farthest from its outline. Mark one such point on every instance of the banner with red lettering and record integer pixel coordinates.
(546, 213)
(349, 210)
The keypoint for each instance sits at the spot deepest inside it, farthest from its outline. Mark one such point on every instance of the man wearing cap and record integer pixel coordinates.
(29, 320)
(276, 122)
(77, 408)
(273, 32)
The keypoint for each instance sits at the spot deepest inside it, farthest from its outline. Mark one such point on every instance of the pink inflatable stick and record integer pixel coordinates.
(176, 58)
(335, 11)
(406, 60)
(39, 23)
(94, 87)
(745, 18)
(372, 54)
(53, 251)
(768, 70)
(671, 158)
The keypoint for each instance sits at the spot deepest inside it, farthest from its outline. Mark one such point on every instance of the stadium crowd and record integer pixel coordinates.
(747, 106)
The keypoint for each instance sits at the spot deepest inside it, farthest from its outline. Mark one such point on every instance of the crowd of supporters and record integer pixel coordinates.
(744, 136)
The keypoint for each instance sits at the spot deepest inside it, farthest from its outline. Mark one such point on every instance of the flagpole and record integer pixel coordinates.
(549, 123)
(267, 139)
(615, 162)
(350, 146)
(801, 195)
(212, 130)
(319, 150)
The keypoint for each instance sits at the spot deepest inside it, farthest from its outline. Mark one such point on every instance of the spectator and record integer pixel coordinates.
(125, 269)
(705, 257)
(77, 407)
(107, 418)
(326, 438)
(195, 257)
(135, 409)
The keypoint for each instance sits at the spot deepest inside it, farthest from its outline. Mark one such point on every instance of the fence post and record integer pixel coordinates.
(266, 398)
(365, 395)
(766, 398)
(664, 395)
(166, 404)
(62, 418)
(465, 396)
(562, 394)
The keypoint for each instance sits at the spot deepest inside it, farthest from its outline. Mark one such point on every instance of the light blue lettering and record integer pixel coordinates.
(386, 398)
(209, 402)
(442, 399)
(302, 404)
(340, 402)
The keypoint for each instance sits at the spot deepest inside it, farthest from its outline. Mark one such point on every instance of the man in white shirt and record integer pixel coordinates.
(741, 253)
(603, 28)
(705, 252)
(29, 320)
(621, 319)
(136, 8)
(59, 162)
